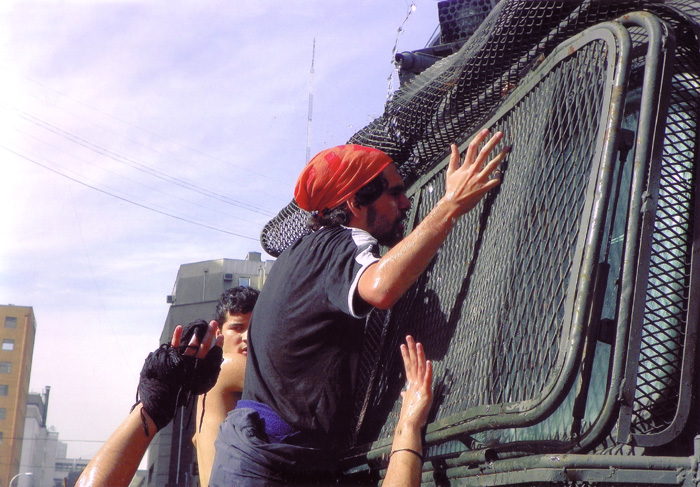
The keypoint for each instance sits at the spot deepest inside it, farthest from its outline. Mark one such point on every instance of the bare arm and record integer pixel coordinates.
(405, 464)
(219, 401)
(383, 283)
(115, 464)
(119, 458)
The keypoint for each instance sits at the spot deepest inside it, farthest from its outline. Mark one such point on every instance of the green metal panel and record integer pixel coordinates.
(561, 314)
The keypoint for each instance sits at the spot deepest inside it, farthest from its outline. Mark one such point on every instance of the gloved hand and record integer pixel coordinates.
(174, 373)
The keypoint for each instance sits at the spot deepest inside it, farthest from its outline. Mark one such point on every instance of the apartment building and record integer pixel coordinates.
(17, 332)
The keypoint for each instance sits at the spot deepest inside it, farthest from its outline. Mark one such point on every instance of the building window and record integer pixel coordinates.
(8, 344)
(5, 367)
(10, 322)
(3, 411)
(0, 437)
(4, 389)
(244, 281)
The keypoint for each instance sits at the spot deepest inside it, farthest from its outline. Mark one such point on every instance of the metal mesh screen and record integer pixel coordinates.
(662, 355)
(460, 19)
(493, 325)
(455, 96)
(491, 309)
(663, 332)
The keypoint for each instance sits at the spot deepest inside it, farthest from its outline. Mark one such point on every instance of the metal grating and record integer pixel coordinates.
(425, 300)
(455, 96)
(663, 332)
(459, 19)
(498, 324)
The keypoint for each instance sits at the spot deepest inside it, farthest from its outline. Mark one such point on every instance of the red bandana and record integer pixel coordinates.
(332, 176)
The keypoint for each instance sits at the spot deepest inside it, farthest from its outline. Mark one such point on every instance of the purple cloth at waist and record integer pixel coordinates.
(276, 428)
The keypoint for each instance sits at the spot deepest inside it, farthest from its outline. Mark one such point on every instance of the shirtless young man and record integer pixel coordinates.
(116, 462)
(232, 317)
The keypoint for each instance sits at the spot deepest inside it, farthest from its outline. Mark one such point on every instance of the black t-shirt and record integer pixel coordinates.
(306, 330)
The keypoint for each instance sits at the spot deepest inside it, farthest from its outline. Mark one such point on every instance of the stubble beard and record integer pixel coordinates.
(390, 237)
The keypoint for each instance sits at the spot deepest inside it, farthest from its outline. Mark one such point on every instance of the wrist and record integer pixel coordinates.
(409, 426)
(411, 451)
(408, 436)
(141, 415)
(445, 213)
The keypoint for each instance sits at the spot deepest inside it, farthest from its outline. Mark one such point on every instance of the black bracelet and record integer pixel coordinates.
(409, 450)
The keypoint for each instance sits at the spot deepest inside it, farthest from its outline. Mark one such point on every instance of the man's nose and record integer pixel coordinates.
(405, 202)
(244, 336)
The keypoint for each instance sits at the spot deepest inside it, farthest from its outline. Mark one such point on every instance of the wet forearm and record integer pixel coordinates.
(405, 464)
(387, 280)
(115, 464)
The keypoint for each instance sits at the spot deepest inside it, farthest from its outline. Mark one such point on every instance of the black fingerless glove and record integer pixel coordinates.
(169, 379)
(201, 374)
(160, 384)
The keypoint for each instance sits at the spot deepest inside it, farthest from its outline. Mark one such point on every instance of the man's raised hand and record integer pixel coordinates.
(468, 182)
(194, 347)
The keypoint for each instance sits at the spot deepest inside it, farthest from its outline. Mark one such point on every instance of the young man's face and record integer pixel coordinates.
(386, 214)
(235, 332)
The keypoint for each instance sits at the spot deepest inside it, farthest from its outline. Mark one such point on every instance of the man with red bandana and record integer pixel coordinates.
(307, 327)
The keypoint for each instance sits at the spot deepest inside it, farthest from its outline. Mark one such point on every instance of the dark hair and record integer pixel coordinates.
(340, 215)
(370, 192)
(239, 299)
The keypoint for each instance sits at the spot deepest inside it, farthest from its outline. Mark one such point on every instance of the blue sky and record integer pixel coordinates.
(138, 136)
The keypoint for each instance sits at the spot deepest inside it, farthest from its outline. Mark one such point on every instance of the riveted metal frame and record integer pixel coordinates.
(586, 252)
(580, 289)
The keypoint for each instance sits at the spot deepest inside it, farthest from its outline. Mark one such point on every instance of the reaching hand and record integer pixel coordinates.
(174, 372)
(418, 396)
(194, 347)
(466, 184)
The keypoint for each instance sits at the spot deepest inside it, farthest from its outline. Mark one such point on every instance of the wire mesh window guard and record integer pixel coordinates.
(512, 329)
(511, 359)
(560, 312)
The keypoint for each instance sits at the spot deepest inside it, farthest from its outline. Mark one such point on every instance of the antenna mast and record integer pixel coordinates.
(311, 105)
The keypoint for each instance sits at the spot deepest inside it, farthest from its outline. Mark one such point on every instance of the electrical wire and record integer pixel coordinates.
(150, 189)
(127, 200)
(138, 166)
(141, 129)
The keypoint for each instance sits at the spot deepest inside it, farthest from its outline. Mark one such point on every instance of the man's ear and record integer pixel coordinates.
(226, 316)
(358, 214)
(354, 208)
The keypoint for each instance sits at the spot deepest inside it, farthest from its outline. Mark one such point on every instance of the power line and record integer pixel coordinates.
(204, 225)
(149, 188)
(138, 166)
(197, 151)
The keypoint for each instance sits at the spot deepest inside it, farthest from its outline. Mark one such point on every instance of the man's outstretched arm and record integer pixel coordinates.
(115, 464)
(383, 283)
